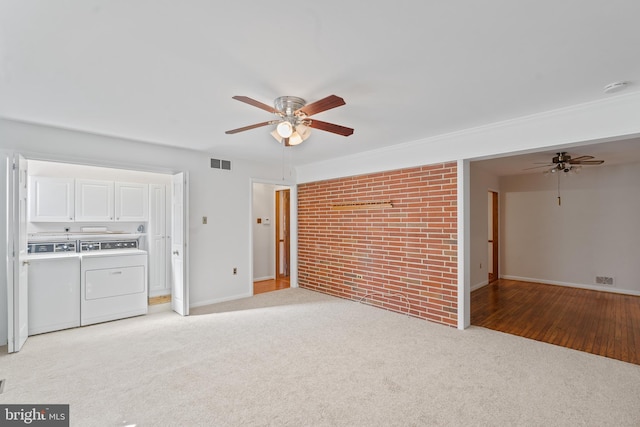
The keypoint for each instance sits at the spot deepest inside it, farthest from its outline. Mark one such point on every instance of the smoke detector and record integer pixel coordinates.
(615, 87)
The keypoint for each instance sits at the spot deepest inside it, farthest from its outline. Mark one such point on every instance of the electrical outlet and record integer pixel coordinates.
(358, 276)
(235, 270)
(204, 219)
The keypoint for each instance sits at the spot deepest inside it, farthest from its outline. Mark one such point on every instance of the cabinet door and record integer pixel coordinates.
(94, 200)
(132, 201)
(51, 199)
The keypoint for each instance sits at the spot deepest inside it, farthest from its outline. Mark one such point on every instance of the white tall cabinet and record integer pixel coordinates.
(158, 239)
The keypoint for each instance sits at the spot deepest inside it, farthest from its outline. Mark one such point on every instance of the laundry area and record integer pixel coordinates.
(98, 243)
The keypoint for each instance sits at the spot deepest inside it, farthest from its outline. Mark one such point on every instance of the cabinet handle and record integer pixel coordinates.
(176, 253)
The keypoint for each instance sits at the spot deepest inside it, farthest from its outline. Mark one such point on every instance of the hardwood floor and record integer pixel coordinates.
(162, 299)
(603, 323)
(263, 286)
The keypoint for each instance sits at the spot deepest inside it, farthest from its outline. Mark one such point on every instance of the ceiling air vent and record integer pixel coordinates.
(221, 164)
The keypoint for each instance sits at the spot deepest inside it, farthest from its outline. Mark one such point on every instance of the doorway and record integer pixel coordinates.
(271, 237)
(493, 238)
(69, 173)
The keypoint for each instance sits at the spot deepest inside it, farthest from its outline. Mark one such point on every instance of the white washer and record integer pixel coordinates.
(54, 287)
(113, 282)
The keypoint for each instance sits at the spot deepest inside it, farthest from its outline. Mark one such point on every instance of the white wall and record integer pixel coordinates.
(223, 196)
(481, 182)
(595, 232)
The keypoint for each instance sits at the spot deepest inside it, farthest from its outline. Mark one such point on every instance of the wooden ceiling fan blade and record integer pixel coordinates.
(242, 129)
(588, 162)
(330, 127)
(577, 159)
(538, 167)
(331, 101)
(255, 103)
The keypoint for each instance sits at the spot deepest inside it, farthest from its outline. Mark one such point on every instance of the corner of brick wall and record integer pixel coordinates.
(401, 258)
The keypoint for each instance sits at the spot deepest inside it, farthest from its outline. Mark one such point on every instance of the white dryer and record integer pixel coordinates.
(113, 281)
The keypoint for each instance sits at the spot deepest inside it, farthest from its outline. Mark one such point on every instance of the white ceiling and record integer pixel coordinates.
(165, 71)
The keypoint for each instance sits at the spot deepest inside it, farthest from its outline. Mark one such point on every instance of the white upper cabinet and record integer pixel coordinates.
(131, 201)
(94, 200)
(51, 199)
(86, 200)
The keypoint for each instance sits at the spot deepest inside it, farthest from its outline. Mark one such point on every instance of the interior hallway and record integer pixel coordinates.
(602, 323)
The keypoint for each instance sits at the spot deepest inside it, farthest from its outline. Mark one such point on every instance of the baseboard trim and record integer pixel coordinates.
(573, 285)
(479, 285)
(218, 300)
(260, 279)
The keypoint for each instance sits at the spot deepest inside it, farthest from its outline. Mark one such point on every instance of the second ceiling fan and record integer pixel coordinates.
(294, 121)
(562, 162)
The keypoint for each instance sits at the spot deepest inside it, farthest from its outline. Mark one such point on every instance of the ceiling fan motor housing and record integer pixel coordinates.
(561, 158)
(289, 104)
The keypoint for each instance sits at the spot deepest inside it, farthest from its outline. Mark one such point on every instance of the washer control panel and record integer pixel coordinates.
(51, 247)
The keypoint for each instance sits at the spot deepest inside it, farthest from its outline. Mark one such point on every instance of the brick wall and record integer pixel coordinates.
(402, 258)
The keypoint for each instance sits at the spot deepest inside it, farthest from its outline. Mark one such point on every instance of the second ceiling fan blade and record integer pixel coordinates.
(331, 101)
(588, 162)
(257, 125)
(330, 127)
(538, 167)
(255, 103)
(577, 159)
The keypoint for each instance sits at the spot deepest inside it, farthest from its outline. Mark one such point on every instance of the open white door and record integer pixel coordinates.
(17, 264)
(179, 237)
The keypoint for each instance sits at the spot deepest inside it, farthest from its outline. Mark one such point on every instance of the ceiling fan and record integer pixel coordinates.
(562, 162)
(294, 121)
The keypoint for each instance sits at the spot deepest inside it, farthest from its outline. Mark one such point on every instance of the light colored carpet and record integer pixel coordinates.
(299, 358)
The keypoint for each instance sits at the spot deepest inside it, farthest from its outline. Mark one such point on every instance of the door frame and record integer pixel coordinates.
(494, 209)
(287, 231)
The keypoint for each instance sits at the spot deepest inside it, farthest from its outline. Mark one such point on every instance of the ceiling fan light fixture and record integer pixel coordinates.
(277, 137)
(284, 129)
(295, 139)
(304, 131)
